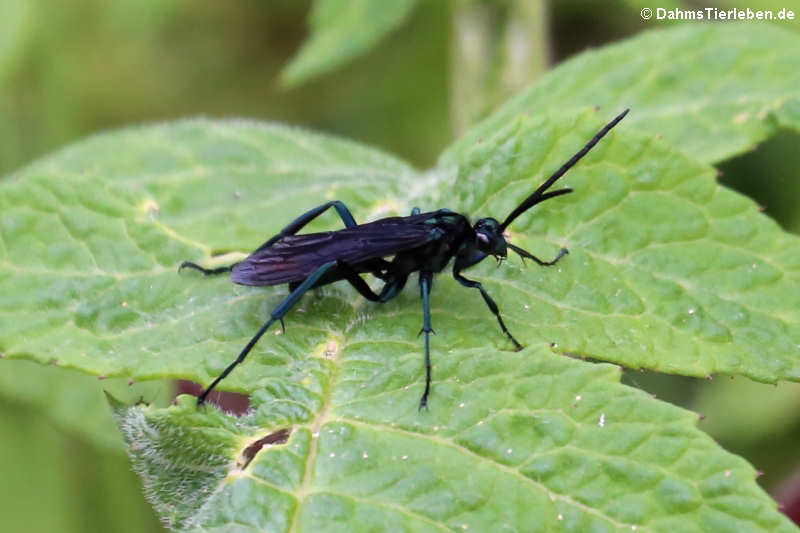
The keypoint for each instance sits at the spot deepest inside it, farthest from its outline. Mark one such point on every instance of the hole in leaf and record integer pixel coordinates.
(231, 402)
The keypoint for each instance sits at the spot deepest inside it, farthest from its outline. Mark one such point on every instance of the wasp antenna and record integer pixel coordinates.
(539, 194)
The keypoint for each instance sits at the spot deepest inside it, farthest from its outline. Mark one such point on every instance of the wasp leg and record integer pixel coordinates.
(293, 227)
(489, 302)
(301, 221)
(277, 315)
(206, 271)
(425, 280)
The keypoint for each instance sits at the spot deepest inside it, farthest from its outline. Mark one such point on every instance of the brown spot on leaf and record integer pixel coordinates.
(276, 437)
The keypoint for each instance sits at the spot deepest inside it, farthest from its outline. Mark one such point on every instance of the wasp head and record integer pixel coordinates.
(489, 237)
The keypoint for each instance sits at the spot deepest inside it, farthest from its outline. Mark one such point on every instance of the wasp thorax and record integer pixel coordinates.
(490, 237)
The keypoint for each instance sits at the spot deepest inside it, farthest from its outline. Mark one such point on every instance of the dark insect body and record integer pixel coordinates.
(422, 242)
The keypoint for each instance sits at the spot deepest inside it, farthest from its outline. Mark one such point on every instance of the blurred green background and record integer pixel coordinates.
(70, 69)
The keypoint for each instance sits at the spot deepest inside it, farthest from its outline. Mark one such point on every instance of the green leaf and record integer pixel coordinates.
(341, 31)
(527, 440)
(667, 270)
(92, 237)
(660, 274)
(709, 89)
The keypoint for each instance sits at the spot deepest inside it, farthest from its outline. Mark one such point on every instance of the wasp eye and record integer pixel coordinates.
(483, 238)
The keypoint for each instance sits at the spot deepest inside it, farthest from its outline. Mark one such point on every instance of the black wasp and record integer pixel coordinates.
(421, 242)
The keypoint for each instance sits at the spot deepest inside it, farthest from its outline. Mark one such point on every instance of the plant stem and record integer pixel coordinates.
(497, 48)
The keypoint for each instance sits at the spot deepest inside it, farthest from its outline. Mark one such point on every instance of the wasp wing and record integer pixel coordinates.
(295, 257)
